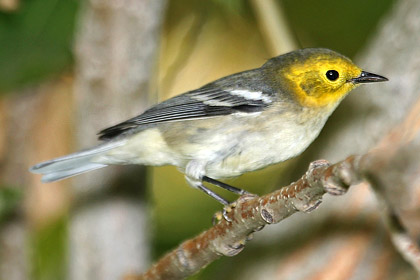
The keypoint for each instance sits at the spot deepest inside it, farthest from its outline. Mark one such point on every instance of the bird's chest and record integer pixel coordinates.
(266, 143)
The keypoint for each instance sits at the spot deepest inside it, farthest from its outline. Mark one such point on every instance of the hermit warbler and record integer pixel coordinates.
(239, 123)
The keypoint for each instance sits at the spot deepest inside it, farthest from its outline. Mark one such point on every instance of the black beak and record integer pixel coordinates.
(366, 77)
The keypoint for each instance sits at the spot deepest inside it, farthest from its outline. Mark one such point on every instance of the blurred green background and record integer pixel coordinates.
(36, 44)
(36, 40)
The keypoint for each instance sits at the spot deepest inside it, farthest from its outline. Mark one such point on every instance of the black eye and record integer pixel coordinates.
(332, 75)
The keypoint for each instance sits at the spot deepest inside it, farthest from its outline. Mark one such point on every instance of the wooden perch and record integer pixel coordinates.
(250, 214)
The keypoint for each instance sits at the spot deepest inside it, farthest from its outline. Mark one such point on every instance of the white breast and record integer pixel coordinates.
(268, 144)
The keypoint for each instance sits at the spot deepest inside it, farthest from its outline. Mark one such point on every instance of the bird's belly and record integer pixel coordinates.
(256, 150)
(145, 148)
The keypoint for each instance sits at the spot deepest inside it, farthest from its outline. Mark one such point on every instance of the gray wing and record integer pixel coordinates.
(223, 97)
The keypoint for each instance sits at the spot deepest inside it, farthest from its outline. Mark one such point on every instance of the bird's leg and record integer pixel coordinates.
(227, 207)
(224, 186)
(195, 171)
(213, 194)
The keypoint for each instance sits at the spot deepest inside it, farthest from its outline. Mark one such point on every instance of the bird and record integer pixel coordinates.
(236, 124)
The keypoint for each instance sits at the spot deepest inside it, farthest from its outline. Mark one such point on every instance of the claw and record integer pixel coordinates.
(226, 210)
(232, 249)
(217, 217)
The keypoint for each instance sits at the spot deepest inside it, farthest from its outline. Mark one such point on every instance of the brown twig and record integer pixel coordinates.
(252, 213)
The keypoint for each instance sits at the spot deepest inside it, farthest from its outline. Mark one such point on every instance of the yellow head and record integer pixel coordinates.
(319, 77)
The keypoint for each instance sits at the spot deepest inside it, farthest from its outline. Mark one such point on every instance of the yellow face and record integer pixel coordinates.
(322, 79)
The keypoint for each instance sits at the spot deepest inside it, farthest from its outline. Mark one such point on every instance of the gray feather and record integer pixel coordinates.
(214, 99)
(73, 164)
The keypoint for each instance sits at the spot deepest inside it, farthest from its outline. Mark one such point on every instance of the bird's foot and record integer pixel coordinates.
(227, 209)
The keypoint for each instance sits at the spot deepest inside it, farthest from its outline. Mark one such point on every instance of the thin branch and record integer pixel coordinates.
(251, 213)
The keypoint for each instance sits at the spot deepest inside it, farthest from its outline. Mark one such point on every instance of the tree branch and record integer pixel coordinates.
(252, 213)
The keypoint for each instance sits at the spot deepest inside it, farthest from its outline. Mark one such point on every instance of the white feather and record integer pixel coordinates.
(251, 95)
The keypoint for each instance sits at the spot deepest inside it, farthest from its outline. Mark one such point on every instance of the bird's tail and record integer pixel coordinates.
(73, 164)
